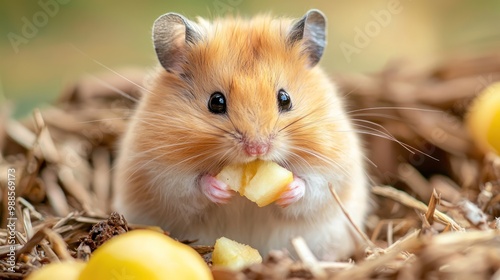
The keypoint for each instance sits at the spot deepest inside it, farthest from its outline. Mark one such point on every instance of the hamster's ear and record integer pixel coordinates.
(311, 32)
(171, 35)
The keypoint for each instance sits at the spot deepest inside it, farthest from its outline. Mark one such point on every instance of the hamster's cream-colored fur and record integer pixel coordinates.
(175, 144)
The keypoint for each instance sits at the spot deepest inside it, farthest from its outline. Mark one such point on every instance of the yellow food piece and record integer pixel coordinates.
(260, 181)
(483, 119)
(145, 255)
(234, 255)
(232, 175)
(63, 270)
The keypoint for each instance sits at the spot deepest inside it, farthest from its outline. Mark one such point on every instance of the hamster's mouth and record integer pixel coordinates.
(248, 158)
(252, 159)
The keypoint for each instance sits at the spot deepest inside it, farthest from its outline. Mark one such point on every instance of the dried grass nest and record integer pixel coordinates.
(436, 194)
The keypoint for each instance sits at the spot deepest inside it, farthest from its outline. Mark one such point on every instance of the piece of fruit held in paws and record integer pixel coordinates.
(231, 254)
(263, 182)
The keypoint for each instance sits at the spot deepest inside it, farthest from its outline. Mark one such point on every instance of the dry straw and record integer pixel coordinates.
(435, 194)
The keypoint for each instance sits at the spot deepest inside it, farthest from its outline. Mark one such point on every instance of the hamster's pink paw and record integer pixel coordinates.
(217, 191)
(296, 191)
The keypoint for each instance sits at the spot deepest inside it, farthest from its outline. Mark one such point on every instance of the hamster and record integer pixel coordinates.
(234, 90)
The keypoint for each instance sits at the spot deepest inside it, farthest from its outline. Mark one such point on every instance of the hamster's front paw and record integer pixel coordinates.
(216, 190)
(296, 190)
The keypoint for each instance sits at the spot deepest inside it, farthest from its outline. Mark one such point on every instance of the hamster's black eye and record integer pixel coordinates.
(217, 103)
(284, 101)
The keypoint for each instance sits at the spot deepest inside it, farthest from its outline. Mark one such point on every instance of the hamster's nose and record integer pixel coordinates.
(256, 148)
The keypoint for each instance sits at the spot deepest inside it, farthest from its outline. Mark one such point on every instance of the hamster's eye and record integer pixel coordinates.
(217, 103)
(284, 101)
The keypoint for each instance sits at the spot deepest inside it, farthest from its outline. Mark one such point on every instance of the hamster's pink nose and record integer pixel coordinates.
(256, 148)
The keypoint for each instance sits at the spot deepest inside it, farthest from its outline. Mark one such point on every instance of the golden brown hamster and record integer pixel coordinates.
(233, 90)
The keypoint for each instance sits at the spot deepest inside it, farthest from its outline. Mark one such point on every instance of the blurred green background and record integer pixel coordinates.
(66, 36)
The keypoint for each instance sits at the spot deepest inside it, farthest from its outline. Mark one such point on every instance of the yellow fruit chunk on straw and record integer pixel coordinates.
(145, 254)
(231, 254)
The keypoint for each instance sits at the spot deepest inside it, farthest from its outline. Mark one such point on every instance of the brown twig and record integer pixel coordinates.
(409, 201)
(360, 233)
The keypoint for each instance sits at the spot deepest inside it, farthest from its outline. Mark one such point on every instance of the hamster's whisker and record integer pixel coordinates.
(386, 116)
(186, 126)
(211, 124)
(303, 126)
(349, 92)
(117, 90)
(304, 165)
(150, 122)
(386, 134)
(395, 108)
(291, 127)
(111, 70)
(99, 120)
(381, 127)
(108, 109)
(345, 153)
(137, 169)
(163, 124)
(203, 160)
(382, 132)
(162, 127)
(236, 133)
(407, 147)
(375, 132)
(142, 153)
(331, 162)
(145, 165)
(179, 146)
(276, 123)
(295, 121)
(224, 159)
(158, 116)
(370, 162)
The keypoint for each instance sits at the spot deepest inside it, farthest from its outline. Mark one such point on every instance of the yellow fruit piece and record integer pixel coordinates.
(63, 270)
(232, 175)
(483, 119)
(268, 183)
(260, 181)
(234, 255)
(145, 255)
